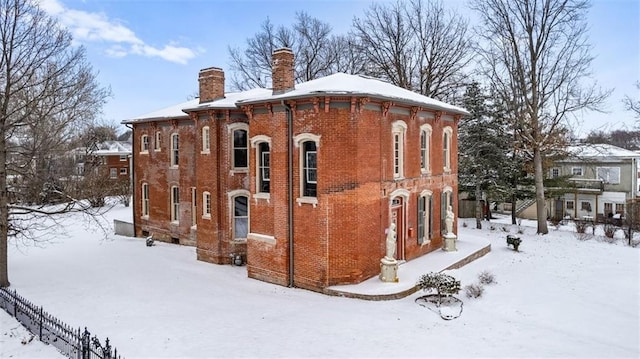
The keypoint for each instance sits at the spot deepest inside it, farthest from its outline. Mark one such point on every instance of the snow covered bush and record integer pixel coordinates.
(609, 230)
(581, 226)
(443, 284)
(486, 277)
(583, 236)
(474, 290)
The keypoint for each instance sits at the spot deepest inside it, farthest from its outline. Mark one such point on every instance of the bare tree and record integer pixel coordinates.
(47, 92)
(632, 104)
(420, 47)
(536, 56)
(310, 39)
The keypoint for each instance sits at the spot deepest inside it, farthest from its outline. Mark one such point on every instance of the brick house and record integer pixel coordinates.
(302, 180)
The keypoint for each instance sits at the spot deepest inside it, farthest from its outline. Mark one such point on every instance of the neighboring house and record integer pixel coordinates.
(601, 180)
(109, 157)
(302, 180)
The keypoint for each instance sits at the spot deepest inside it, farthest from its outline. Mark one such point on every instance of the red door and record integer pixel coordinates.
(397, 217)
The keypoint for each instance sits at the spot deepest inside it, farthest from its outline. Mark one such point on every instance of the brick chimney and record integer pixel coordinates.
(282, 75)
(211, 84)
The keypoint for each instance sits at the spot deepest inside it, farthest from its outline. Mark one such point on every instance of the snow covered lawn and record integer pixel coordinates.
(557, 297)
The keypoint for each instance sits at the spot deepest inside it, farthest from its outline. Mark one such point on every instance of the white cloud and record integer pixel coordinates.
(98, 27)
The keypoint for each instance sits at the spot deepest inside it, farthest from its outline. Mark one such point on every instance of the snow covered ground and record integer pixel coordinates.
(557, 297)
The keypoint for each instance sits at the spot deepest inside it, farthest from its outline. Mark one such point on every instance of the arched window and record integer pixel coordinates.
(205, 140)
(206, 205)
(144, 144)
(158, 141)
(145, 200)
(175, 204)
(175, 149)
(447, 133)
(240, 145)
(308, 144)
(398, 130)
(425, 146)
(240, 217)
(425, 217)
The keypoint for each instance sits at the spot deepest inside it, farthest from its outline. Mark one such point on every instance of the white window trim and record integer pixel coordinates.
(175, 212)
(231, 195)
(157, 146)
(255, 143)
(426, 225)
(173, 149)
(145, 201)
(581, 171)
(427, 130)
(144, 149)
(206, 211)
(232, 128)
(206, 140)
(609, 170)
(398, 128)
(298, 140)
(113, 173)
(449, 143)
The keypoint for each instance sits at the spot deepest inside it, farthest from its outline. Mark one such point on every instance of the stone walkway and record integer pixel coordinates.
(409, 272)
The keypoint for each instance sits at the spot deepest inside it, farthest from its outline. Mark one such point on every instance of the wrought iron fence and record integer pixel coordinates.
(73, 343)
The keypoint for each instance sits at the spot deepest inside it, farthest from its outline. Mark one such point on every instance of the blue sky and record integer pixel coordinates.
(149, 52)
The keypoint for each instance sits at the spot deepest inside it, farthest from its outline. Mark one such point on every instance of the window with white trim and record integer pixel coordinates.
(570, 205)
(175, 204)
(206, 205)
(240, 217)
(123, 158)
(123, 171)
(263, 183)
(206, 147)
(158, 141)
(113, 173)
(425, 145)
(145, 200)
(576, 171)
(425, 218)
(175, 149)
(447, 134)
(309, 169)
(610, 175)
(398, 130)
(144, 144)
(554, 172)
(240, 149)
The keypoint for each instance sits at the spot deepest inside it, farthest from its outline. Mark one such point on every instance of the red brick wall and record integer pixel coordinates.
(342, 238)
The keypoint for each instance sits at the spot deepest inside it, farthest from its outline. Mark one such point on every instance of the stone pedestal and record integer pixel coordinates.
(389, 270)
(450, 242)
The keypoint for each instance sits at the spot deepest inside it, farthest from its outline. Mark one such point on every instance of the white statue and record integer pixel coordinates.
(391, 242)
(449, 220)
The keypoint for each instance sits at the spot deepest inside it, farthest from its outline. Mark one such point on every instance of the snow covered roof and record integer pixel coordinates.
(601, 151)
(336, 84)
(174, 111)
(345, 84)
(108, 148)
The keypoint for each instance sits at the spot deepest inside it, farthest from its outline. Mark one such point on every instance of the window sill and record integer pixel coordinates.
(174, 167)
(194, 227)
(156, 150)
(263, 196)
(262, 238)
(206, 216)
(425, 172)
(307, 200)
(239, 240)
(426, 243)
(206, 152)
(398, 178)
(145, 217)
(144, 152)
(174, 223)
(239, 170)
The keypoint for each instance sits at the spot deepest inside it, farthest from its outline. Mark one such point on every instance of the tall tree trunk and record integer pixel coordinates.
(478, 207)
(4, 213)
(540, 201)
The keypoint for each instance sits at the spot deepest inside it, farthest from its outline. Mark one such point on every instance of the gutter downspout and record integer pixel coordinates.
(132, 179)
(290, 188)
